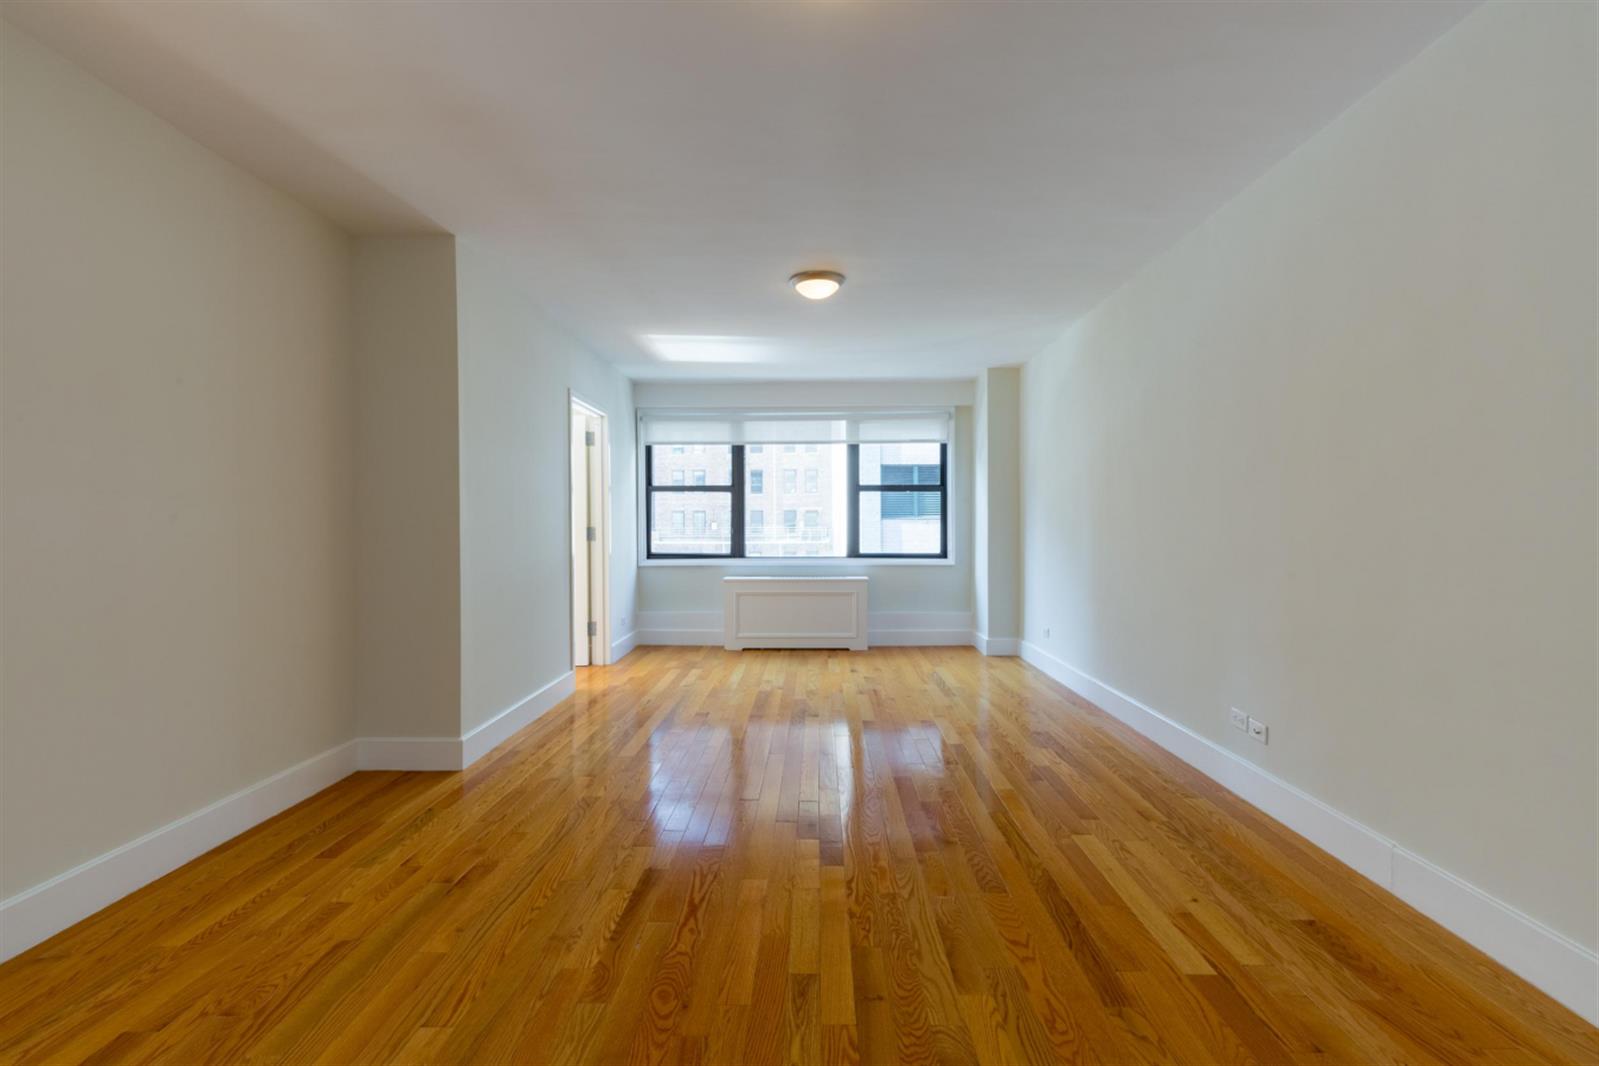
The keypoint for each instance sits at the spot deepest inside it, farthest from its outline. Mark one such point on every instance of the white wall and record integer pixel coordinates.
(408, 577)
(996, 524)
(177, 583)
(515, 370)
(688, 596)
(1332, 460)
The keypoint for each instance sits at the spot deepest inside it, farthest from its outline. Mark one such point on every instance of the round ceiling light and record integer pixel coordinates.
(816, 284)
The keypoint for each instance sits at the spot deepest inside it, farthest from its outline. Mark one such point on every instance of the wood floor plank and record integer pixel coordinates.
(915, 855)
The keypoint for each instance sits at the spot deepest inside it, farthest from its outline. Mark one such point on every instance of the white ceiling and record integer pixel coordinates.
(984, 172)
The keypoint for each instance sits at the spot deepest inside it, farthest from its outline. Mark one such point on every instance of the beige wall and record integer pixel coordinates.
(515, 370)
(1332, 460)
(408, 666)
(176, 391)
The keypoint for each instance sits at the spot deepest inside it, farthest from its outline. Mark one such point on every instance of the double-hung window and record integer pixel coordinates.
(847, 485)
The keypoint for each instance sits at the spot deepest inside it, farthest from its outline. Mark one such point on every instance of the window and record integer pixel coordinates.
(823, 486)
(900, 494)
(691, 490)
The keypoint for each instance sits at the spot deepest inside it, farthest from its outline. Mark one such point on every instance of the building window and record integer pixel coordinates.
(877, 500)
(691, 500)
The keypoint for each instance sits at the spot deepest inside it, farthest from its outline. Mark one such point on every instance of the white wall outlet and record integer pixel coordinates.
(1046, 632)
(1257, 730)
(1239, 719)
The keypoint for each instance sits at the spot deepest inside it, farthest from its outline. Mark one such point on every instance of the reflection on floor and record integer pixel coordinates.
(908, 854)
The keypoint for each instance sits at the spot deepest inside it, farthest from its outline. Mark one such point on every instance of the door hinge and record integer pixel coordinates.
(588, 437)
(592, 536)
(594, 629)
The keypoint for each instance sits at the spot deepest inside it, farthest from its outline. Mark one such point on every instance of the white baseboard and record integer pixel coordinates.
(620, 648)
(674, 628)
(1566, 970)
(886, 629)
(996, 645)
(497, 730)
(47, 908)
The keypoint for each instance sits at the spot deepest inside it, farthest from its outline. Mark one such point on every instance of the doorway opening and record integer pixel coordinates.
(590, 466)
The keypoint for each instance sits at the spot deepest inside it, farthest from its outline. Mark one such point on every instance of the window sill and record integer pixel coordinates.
(794, 562)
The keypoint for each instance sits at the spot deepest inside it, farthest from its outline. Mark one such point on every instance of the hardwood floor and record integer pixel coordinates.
(903, 855)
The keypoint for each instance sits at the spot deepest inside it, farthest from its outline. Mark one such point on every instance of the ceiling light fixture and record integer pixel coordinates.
(816, 284)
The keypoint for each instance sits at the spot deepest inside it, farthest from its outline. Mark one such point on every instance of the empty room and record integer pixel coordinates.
(805, 531)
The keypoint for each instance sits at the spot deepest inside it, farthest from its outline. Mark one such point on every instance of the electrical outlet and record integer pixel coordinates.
(1257, 730)
(1239, 719)
(1046, 632)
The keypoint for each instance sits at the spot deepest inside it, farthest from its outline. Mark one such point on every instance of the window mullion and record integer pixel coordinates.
(736, 548)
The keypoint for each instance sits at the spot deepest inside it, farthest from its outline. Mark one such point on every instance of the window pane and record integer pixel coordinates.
(691, 523)
(802, 496)
(900, 523)
(694, 464)
(899, 464)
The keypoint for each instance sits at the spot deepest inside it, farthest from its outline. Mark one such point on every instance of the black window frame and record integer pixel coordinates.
(736, 490)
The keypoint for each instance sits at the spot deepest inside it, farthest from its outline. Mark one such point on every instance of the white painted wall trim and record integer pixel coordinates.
(40, 912)
(1563, 968)
(884, 629)
(679, 627)
(996, 645)
(497, 730)
(621, 647)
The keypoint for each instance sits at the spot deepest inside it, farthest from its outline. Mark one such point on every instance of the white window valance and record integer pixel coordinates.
(899, 426)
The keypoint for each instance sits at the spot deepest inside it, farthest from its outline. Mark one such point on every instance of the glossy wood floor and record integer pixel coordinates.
(904, 855)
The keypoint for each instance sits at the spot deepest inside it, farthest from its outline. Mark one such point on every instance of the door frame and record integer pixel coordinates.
(600, 556)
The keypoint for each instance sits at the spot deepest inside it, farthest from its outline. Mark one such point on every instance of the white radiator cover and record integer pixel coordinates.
(794, 612)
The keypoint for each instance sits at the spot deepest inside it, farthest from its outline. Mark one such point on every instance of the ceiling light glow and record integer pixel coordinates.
(816, 284)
